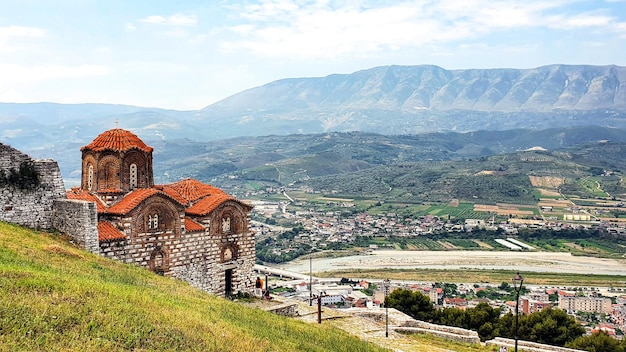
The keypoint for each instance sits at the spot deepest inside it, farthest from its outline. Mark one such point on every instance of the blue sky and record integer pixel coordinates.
(188, 54)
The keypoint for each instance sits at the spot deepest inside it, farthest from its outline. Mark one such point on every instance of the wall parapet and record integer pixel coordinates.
(528, 346)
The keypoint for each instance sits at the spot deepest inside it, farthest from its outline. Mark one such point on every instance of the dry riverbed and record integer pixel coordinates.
(455, 260)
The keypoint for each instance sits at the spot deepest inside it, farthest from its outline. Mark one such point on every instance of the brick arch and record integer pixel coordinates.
(168, 216)
(108, 173)
(139, 159)
(229, 252)
(159, 260)
(89, 160)
(236, 218)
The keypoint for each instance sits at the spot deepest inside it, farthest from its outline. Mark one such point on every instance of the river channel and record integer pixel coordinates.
(522, 261)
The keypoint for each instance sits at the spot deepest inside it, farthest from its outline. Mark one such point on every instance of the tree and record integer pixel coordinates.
(549, 326)
(597, 342)
(482, 318)
(412, 303)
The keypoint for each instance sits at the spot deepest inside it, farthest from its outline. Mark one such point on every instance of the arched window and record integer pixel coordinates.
(153, 222)
(228, 254)
(226, 225)
(159, 261)
(90, 178)
(133, 176)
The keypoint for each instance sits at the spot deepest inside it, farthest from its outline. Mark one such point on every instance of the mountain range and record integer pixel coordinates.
(390, 100)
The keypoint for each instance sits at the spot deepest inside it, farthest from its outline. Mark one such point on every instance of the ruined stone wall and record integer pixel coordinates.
(30, 207)
(79, 220)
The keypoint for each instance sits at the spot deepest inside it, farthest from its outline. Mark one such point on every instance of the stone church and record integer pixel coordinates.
(188, 229)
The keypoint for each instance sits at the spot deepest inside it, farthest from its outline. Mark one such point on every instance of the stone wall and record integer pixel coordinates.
(403, 323)
(32, 208)
(115, 250)
(528, 346)
(285, 309)
(79, 220)
(194, 257)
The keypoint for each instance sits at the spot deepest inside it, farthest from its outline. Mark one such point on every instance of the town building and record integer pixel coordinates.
(573, 304)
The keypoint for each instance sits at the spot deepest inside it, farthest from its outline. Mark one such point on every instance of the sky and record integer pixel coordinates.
(188, 54)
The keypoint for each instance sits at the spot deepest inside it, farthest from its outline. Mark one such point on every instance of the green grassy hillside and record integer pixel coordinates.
(55, 297)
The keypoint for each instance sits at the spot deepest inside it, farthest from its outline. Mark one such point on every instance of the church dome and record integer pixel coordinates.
(118, 140)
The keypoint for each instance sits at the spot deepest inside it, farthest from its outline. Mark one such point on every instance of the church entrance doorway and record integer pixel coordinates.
(228, 284)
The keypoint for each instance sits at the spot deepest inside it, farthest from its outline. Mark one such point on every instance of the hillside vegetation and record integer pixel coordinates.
(484, 167)
(57, 297)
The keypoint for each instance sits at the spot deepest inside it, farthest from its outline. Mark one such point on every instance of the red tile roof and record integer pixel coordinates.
(107, 232)
(132, 200)
(192, 226)
(192, 190)
(118, 140)
(79, 194)
(208, 204)
(173, 193)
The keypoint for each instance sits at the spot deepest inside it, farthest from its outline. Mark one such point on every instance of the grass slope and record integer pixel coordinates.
(54, 297)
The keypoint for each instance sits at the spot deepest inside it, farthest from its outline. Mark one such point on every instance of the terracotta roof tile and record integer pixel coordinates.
(193, 190)
(172, 193)
(192, 226)
(208, 204)
(79, 194)
(117, 140)
(132, 200)
(107, 232)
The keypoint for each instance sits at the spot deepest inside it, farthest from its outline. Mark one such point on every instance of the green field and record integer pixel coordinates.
(482, 276)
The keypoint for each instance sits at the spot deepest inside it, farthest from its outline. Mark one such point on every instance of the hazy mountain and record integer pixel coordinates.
(416, 99)
(388, 100)
(411, 88)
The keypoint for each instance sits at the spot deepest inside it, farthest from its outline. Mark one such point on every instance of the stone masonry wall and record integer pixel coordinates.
(194, 257)
(79, 220)
(191, 256)
(31, 207)
(285, 309)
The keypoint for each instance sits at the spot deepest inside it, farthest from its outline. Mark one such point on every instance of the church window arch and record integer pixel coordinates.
(159, 261)
(133, 176)
(226, 225)
(153, 222)
(108, 173)
(229, 253)
(90, 178)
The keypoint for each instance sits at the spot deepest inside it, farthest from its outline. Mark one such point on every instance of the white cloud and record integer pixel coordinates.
(13, 38)
(13, 73)
(20, 31)
(328, 30)
(178, 19)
